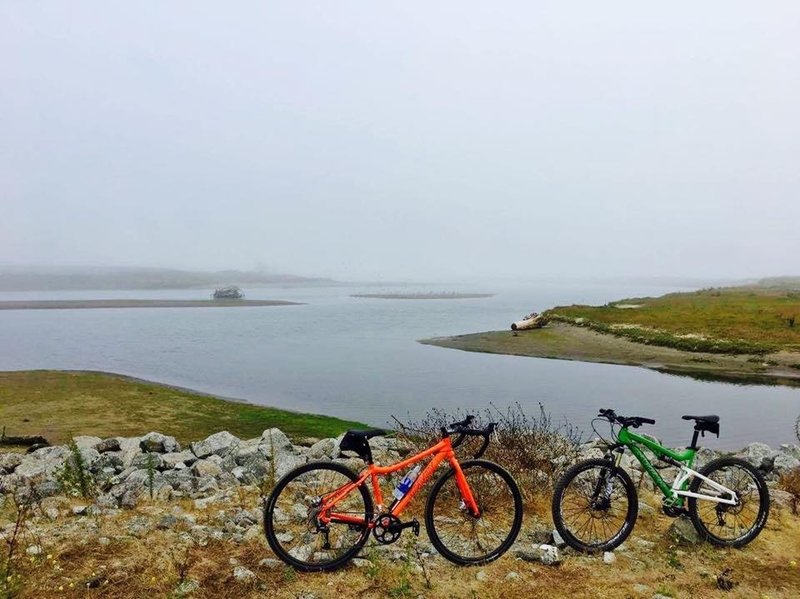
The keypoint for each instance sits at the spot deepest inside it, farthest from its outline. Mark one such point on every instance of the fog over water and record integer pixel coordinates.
(546, 152)
(415, 141)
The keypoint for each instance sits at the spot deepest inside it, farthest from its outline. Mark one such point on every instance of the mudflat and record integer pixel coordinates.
(568, 342)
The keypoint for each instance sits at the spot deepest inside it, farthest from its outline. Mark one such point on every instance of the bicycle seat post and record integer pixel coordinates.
(695, 436)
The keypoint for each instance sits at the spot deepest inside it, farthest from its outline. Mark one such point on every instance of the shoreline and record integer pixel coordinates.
(560, 341)
(136, 303)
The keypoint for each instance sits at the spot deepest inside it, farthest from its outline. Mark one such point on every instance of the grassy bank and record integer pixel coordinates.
(737, 320)
(744, 334)
(58, 405)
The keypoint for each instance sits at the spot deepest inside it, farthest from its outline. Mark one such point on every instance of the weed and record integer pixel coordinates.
(289, 574)
(74, 477)
(790, 482)
(151, 474)
(23, 504)
(673, 560)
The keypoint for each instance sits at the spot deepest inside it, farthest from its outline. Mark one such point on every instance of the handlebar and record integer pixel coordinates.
(631, 421)
(462, 430)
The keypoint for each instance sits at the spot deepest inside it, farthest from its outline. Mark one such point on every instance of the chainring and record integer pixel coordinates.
(386, 530)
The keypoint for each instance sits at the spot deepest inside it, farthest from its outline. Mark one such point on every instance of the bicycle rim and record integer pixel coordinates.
(463, 538)
(729, 524)
(292, 519)
(596, 506)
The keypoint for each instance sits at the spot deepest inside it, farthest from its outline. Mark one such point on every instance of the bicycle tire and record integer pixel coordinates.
(762, 514)
(447, 496)
(570, 536)
(277, 545)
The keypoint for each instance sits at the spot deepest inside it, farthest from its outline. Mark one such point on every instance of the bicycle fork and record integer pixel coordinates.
(604, 487)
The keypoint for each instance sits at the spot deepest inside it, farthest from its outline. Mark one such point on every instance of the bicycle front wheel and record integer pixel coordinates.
(463, 538)
(595, 506)
(724, 524)
(304, 536)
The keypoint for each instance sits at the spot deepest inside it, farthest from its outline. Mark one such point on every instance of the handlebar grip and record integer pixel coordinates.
(647, 421)
(487, 437)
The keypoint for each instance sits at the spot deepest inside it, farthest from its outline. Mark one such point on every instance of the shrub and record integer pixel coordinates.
(790, 482)
(533, 447)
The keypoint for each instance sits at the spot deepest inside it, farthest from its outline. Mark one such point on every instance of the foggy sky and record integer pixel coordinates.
(403, 140)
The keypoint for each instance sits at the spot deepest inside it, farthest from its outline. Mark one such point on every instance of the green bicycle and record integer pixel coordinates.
(595, 504)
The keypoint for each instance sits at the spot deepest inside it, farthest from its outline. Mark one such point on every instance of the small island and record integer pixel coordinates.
(740, 334)
(444, 295)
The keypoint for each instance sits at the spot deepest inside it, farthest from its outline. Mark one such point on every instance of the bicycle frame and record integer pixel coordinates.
(674, 493)
(442, 451)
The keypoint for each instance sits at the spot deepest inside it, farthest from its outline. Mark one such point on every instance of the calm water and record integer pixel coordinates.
(358, 358)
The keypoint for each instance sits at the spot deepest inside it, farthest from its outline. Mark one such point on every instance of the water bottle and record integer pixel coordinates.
(404, 485)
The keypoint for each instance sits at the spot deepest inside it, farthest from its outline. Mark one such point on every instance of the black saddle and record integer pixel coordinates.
(705, 424)
(358, 441)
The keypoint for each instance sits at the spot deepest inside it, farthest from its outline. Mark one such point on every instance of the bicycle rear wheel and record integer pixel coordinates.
(292, 515)
(462, 538)
(595, 506)
(724, 524)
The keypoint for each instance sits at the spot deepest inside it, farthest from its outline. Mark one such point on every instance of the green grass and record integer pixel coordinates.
(732, 320)
(59, 405)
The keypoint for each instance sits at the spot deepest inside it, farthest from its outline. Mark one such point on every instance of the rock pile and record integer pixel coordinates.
(126, 469)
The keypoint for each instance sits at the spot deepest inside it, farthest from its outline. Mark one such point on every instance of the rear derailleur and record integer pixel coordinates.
(387, 528)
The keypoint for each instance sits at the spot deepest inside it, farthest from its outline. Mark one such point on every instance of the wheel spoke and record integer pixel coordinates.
(739, 520)
(464, 536)
(593, 505)
(299, 526)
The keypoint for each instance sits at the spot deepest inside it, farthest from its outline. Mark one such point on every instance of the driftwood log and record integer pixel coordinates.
(23, 441)
(531, 321)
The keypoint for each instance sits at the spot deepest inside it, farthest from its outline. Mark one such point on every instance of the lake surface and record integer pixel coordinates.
(358, 358)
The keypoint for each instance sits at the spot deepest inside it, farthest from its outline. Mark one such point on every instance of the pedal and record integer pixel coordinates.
(399, 526)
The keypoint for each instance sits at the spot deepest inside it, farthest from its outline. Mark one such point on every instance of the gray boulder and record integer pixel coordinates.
(543, 554)
(325, 449)
(242, 574)
(86, 441)
(274, 441)
(9, 462)
(221, 444)
(156, 442)
(285, 462)
(130, 448)
(203, 468)
(110, 444)
(683, 531)
(171, 460)
(148, 460)
(784, 462)
(110, 459)
(760, 455)
(41, 465)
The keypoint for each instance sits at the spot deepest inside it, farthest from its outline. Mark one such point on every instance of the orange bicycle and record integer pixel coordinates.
(321, 514)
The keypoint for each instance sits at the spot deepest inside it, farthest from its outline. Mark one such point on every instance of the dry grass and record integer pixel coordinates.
(155, 566)
(790, 482)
